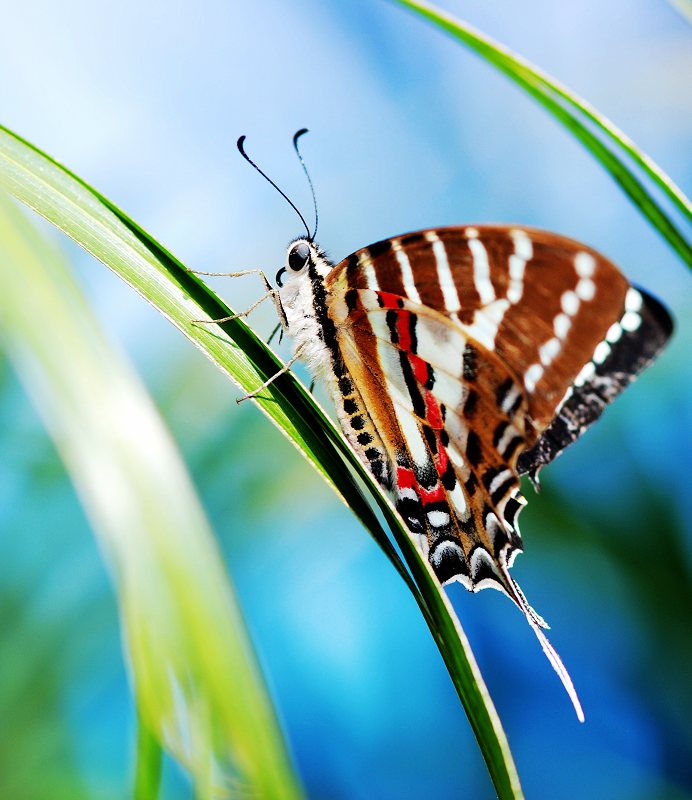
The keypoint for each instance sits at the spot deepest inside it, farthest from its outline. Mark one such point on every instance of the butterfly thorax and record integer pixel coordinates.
(306, 305)
(303, 301)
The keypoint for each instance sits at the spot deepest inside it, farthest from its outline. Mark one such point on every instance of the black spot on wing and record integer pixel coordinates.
(391, 319)
(449, 478)
(448, 561)
(470, 362)
(499, 433)
(351, 299)
(411, 511)
(430, 380)
(427, 476)
(471, 404)
(473, 448)
(503, 390)
(411, 239)
(413, 335)
(430, 438)
(412, 385)
(471, 484)
(380, 248)
(511, 510)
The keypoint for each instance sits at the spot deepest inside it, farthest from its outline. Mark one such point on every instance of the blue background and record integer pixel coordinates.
(407, 130)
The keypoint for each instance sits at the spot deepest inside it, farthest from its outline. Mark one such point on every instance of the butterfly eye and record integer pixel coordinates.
(298, 256)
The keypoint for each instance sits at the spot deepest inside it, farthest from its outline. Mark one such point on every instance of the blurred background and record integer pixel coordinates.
(145, 101)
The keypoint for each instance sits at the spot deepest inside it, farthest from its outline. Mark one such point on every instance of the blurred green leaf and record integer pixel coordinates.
(684, 7)
(107, 233)
(35, 755)
(197, 684)
(149, 763)
(570, 110)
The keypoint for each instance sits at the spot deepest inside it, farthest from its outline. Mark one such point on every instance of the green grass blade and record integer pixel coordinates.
(684, 7)
(149, 760)
(557, 99)
(196, 680)
(103, 230)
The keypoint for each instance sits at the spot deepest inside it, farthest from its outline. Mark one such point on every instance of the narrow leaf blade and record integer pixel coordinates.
(102, 229)
(567, 108)
(197, 683)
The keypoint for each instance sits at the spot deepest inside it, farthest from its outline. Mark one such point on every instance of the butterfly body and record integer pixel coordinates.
(459, 359)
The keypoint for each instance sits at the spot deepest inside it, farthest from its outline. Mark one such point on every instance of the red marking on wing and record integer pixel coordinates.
(389, 300)
(433, 416)
(420, 368)
(436, 495)
(432, 411)
(402, 326)
(442, 460)
(406, 479)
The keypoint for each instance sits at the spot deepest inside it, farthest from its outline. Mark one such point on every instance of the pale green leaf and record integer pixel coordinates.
(196, 680)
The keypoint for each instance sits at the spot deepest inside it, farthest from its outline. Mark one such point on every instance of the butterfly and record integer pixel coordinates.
(459, 359)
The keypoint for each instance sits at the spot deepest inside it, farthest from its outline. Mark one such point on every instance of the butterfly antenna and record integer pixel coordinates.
(266, 177)
(297, 136)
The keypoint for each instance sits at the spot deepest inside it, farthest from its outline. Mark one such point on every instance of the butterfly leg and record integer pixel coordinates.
(270, 292)
(240, 314)
(277, 328)
(286, 367)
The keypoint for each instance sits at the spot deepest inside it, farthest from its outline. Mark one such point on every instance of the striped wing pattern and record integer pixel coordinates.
(462, 358)
(480, 353)
(477, 355)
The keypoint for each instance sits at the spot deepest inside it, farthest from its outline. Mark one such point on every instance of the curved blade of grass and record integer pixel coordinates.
(149, 763)
(102, 229)
(196, 680)
(684, 7)
(558, 100)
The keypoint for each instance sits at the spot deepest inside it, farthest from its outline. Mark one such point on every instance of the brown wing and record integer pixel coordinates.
(464, 345)
(549, 307)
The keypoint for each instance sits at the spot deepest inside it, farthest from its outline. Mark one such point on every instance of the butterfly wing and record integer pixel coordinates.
(630, 345)
(480, 353)
(425, 387)
(566, 323)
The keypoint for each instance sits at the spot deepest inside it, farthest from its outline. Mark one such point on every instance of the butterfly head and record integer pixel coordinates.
(302, 293)
(304, 261)
(298, 258)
